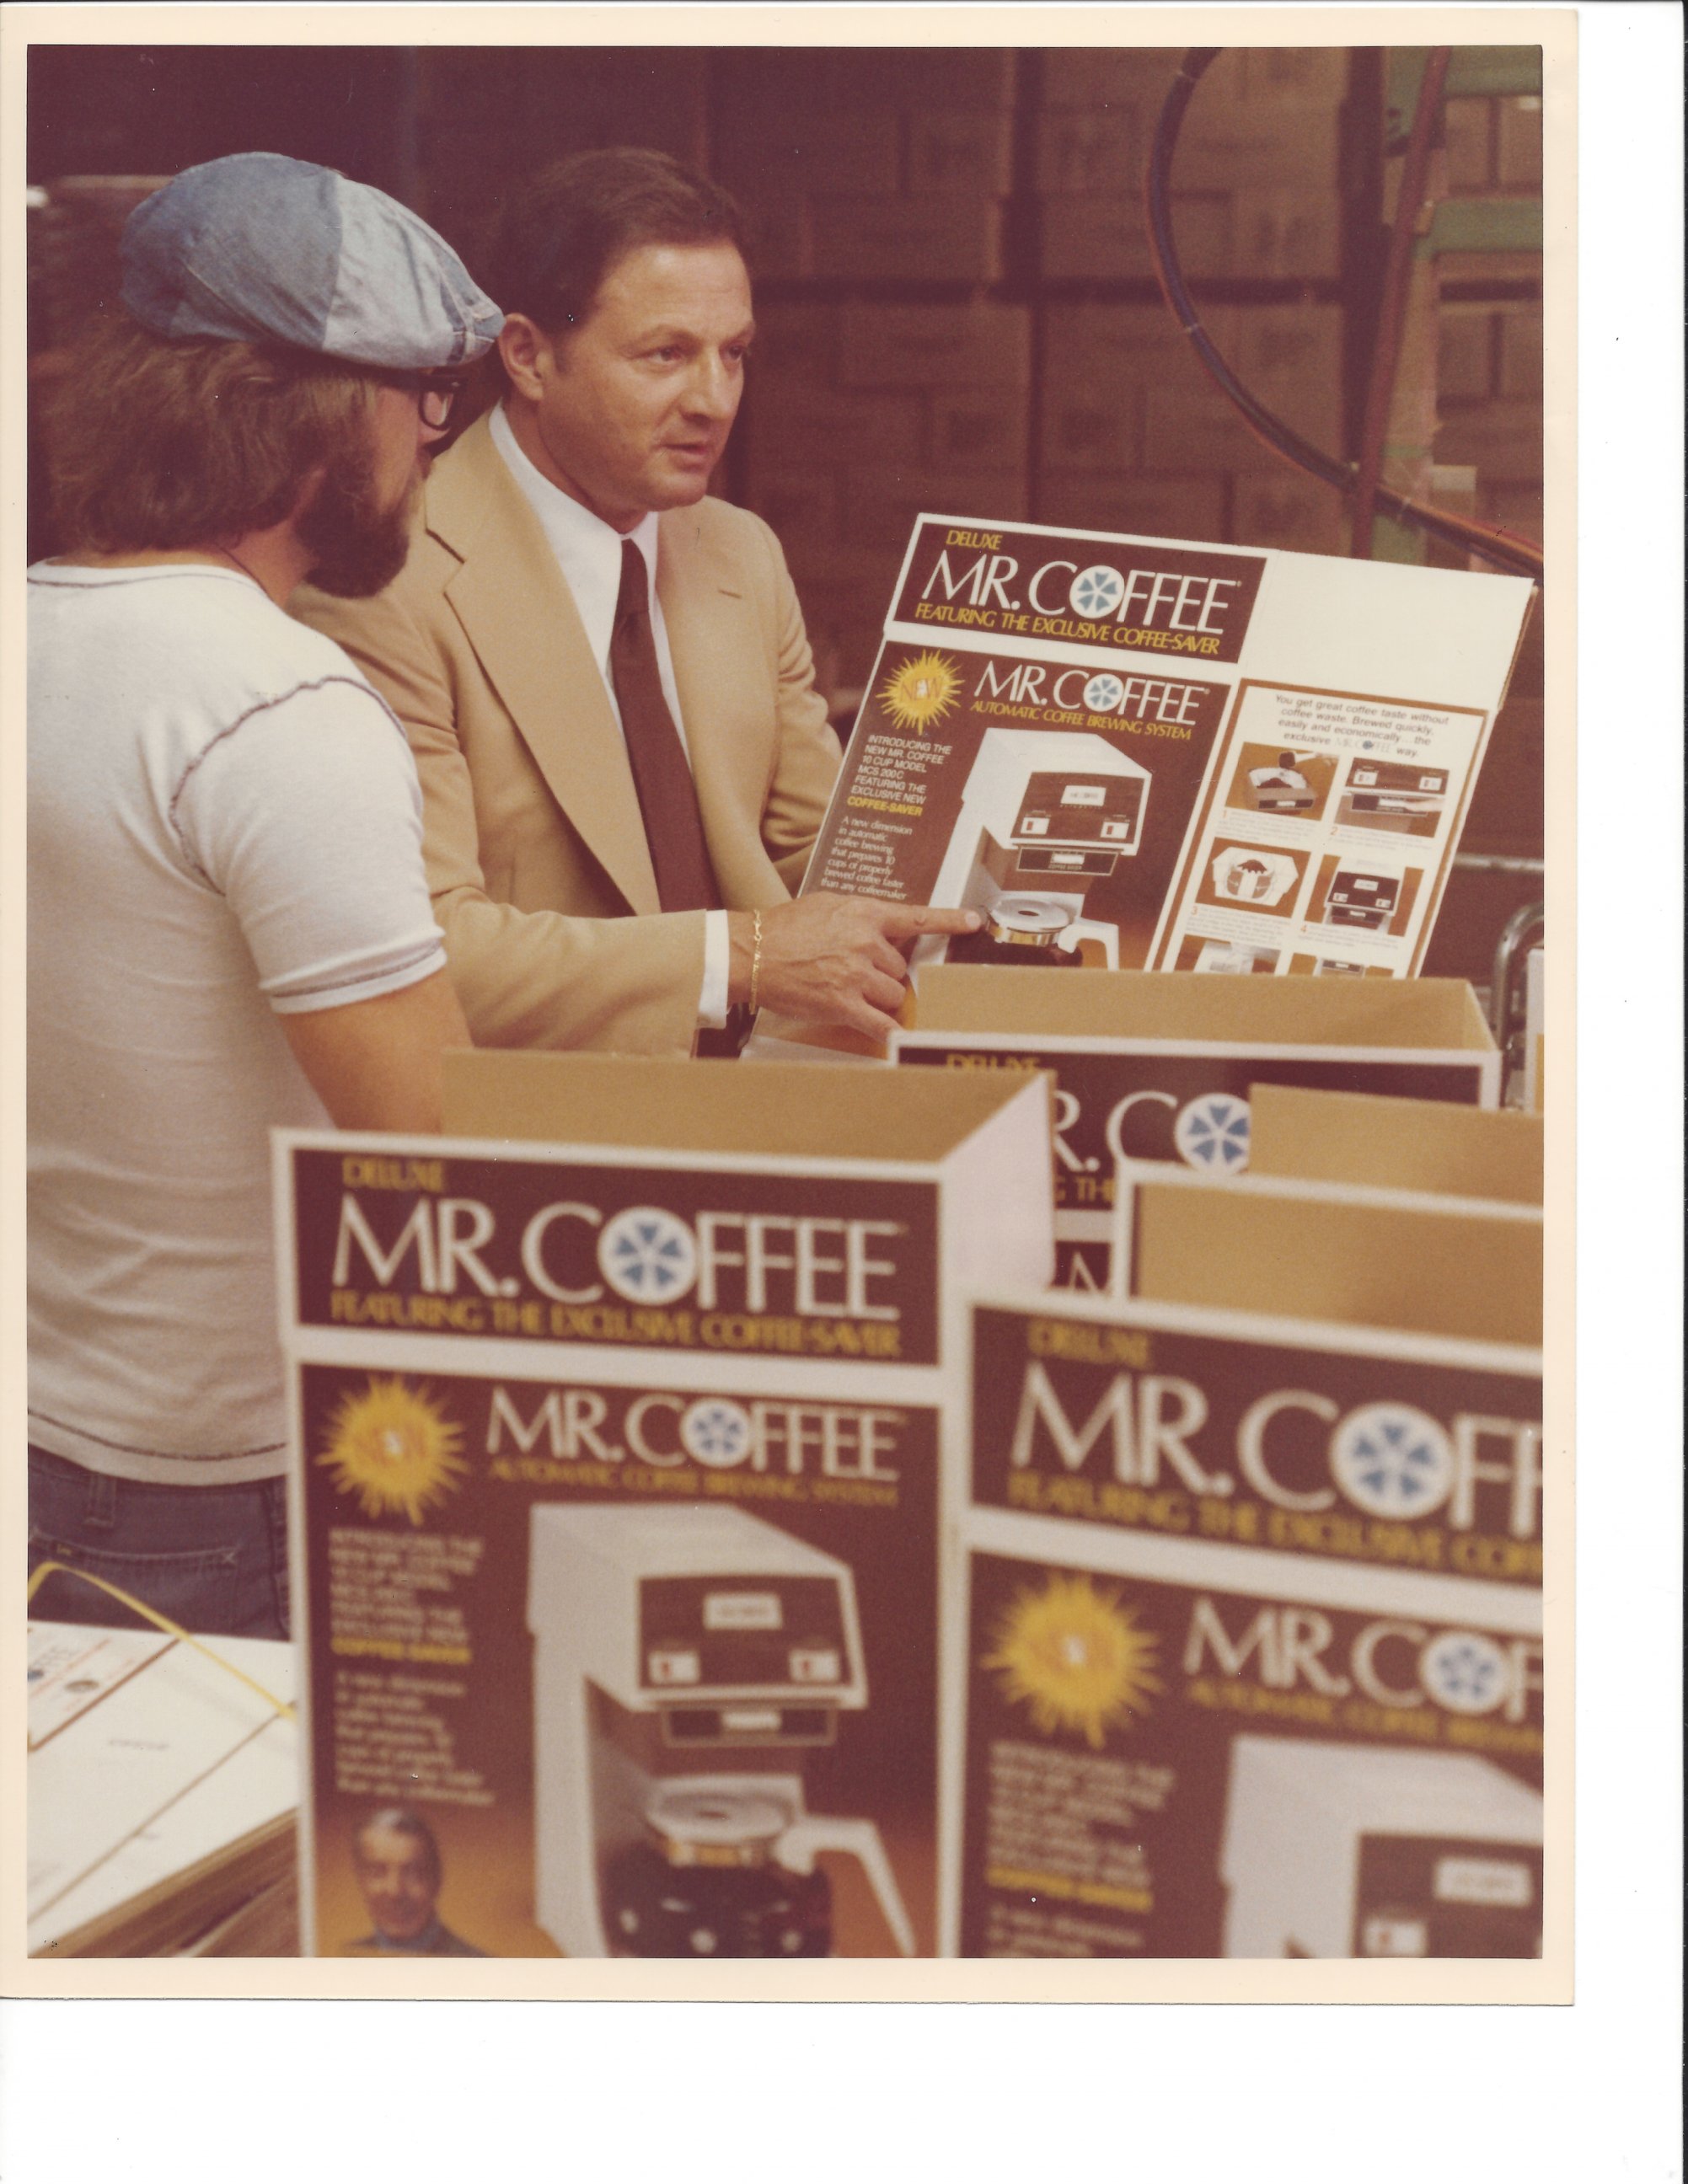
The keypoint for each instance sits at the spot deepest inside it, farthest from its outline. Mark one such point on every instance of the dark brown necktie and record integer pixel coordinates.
(668, 797)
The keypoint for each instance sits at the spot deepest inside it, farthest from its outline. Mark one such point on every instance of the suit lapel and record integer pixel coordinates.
(712, 638)
(519, 615)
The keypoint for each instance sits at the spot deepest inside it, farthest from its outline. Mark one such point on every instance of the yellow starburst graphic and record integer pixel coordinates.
(395, 1449)
(1075, 1656)
(921, 691)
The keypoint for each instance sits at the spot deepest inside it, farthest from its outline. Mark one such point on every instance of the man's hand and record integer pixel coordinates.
(837, 959)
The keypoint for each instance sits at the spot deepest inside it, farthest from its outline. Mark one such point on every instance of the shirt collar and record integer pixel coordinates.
(588, 550)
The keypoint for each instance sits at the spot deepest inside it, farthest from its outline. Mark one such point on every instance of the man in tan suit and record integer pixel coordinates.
(603, 672)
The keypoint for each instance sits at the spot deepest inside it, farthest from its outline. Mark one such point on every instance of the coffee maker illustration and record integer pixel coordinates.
(1044, 814)
(1363, 895)
(1358, 1850)
(687, 1660)
(1282, 788)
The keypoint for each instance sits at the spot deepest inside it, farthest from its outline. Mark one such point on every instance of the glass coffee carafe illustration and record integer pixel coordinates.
(1046, 814)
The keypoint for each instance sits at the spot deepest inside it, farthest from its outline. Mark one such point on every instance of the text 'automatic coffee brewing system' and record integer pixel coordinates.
(685, 1660)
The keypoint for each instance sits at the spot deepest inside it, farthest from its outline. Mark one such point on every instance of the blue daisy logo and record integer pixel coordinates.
(1392, 1460)
(1103, 693)
(1465, 1672)
(716, 1431)
(647, 1256)
(1096, 592)
(1212, 1133)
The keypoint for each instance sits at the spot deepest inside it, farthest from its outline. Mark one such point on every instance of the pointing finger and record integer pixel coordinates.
(902, 922)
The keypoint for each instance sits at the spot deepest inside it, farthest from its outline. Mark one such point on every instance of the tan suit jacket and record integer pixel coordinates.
(535, 846)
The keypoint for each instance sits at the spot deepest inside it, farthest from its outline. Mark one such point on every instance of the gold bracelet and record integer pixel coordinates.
(755, 957)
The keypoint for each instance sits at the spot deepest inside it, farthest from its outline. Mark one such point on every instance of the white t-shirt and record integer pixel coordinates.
(224, 825)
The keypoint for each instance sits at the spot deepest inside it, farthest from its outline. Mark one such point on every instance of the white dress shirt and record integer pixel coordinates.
(589, 553)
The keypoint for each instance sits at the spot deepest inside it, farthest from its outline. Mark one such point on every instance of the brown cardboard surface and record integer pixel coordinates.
(716, 1106)
(1395, 1144)
(1458, 1267)
(1184, 1004)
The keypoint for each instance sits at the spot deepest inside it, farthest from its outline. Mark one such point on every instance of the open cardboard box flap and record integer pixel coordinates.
(1190, 1007)
(789, 1109)
(1465, 1268)
(1398, 1144)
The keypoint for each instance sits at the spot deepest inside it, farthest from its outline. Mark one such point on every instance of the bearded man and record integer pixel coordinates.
(229, 925)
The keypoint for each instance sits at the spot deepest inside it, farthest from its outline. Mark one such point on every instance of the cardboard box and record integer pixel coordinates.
(1184, 1742)
(1394, 1144)
(1103, 236)
(932, 238)
(1468, 126)
(1158, 507)
(965, 152)
(880, 504)
(793, 421)
(1521, 338)
(1095, 430)
(1139, 76)
(1517, 157)
(1244, 148)
(783, 152)
(1292, 76)
(795, 341)
(1282, 509)
(1190, 425)
(1429, 1264)
(979, 425)
(1286, 234)
(1080, 151)
(1502, 439)
(627, 1422)
(1164, 1065)
(942, 345)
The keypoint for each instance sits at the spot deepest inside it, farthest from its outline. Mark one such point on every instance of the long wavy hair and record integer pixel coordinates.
(154, 444)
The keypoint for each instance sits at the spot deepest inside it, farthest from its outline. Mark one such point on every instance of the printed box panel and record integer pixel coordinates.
(1216, 1428)
(632, 1668)
(1200, 1766)
(554, 1251)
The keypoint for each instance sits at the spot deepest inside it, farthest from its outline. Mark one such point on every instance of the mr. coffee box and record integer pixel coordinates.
(1253, 1649)
(1163, 1065)
(1374, 1142)
(1421, 1260)
(1162, 754)
(622, 1431)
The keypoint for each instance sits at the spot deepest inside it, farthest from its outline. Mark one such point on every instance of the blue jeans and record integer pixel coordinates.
(212, 1558)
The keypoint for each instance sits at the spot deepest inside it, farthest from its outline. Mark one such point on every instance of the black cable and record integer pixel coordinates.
(1506, 553)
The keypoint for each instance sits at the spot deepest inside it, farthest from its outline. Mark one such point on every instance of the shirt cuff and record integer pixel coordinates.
(712, 1002)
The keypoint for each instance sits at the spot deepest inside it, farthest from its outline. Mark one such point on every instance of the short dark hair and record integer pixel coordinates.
(402, 1820)
(563, 232)
(154, 444)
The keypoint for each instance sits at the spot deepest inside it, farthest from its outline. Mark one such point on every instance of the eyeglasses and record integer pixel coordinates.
(435, 393)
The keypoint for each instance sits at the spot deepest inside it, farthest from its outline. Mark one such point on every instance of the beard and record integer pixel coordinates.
(357, 547)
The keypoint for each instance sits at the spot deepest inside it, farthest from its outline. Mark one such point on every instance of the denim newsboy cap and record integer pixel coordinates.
(259, 247)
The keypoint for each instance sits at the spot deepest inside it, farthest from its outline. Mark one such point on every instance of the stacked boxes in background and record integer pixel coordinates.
(1028, 369)
(870, 165)
(1136, 437)
(861, 414)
